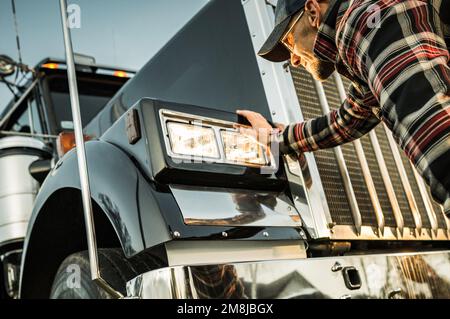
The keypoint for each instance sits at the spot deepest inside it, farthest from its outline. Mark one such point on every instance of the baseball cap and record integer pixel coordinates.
(272, 49)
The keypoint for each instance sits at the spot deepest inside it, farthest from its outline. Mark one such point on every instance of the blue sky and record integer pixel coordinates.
(123, 33)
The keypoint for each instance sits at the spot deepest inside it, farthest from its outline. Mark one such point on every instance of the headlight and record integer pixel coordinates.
(196, 138)
(242, 149)
(192, 140)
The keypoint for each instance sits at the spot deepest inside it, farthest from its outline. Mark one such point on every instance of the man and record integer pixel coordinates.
(395, 54)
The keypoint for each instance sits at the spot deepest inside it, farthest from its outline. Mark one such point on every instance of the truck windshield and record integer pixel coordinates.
(94, 93)
(90, 105)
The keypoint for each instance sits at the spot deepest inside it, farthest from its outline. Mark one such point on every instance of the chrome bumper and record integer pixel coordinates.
(417, 275)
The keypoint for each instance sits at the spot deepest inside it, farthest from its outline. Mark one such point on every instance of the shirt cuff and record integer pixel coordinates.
(283, 141)
(289, 143)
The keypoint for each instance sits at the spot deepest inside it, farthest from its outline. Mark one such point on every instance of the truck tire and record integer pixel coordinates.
(73, 278)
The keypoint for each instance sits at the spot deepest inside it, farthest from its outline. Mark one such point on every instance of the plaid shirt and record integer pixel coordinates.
(399, 68)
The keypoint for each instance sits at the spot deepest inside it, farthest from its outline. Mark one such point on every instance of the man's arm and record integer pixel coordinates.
(351, 121)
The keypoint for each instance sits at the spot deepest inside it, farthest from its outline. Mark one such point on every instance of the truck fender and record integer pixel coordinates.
(119, 192)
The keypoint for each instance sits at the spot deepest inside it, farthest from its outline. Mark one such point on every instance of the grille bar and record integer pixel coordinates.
(387, 181)
(426, 199)
(420, 200)
(395, 178)
(348, 187)
(325, 159)
(442, 223)
(365, 170)
(404, 179)
(385, 203)
(379, 179)
(353, 162)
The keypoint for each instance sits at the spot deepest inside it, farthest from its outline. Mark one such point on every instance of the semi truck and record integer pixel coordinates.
(187, 207)
(36, 130)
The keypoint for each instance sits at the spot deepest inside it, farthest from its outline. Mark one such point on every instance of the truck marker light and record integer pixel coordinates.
(133, 127)
(66, 141)
(121, 74)
(52, 66)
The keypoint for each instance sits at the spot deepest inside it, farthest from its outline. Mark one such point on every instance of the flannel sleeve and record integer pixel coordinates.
(405, 61)
(351, 121)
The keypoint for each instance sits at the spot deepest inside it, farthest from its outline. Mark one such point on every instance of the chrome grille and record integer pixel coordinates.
(354, 169)
(378, 181)
(420, 204)
(439, 214)
(326, 162)
(395, 178)
(337, 198)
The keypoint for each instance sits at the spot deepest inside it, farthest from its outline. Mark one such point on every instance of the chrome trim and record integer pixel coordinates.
(387, 181)
(11, 271)
(181, 252)
(394, 292)
(404, 178)
(285, 108)
(273, 3)
(81, 158)
(23, 142)
(17, 104)
(346, 181)
(363, 163)
(447, 220)
(234, 207)
(293, 166)
(30, 116)
(390, 233)
(370, 185)
(441, 233)
(418, 275)
(217, 126)
(13, 232)
(426, 199)
(186, 118)
(34, 135)
(18, 188)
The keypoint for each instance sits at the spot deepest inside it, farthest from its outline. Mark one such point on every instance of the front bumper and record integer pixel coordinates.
(416, 275)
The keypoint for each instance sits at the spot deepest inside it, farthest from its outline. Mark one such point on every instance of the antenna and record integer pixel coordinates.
(22, 68)
(81, 158)
(16, 27)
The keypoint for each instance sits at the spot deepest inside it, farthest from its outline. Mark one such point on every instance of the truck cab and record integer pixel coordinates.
(36, 129)
(187, 207)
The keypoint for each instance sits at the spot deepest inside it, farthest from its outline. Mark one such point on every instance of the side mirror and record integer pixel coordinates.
(7, 66)
(39, 169)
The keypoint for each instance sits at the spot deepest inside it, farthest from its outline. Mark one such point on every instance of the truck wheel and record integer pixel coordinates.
(73, 278)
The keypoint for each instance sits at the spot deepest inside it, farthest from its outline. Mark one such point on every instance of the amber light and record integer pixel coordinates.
(66, 141)
(120, 74)
(52, 66)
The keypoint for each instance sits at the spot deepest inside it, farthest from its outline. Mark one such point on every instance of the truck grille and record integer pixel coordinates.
(395, 178)
(337, 199)
(356, 174)
(329, 173)
(379, 185)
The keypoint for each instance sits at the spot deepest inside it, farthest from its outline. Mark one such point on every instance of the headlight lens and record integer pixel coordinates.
(242, 149)
(192, 140)
(197, 138)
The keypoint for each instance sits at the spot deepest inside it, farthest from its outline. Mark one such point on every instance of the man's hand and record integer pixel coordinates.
(261, 129)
